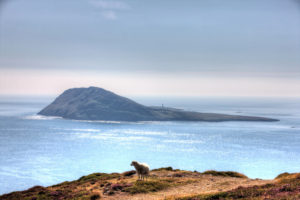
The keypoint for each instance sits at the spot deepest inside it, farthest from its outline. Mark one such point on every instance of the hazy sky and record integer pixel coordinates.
(154, 47)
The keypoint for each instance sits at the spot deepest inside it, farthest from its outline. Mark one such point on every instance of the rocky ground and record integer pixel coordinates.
(166, 184)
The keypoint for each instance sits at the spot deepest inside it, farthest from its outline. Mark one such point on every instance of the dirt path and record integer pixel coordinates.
(201, 185)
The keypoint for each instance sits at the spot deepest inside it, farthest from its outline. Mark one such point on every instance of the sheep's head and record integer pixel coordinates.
(133, 163)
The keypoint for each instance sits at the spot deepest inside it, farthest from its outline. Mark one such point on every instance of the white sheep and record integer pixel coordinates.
(142, 169)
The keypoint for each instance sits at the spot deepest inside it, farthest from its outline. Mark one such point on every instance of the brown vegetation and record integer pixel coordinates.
(166, 183)
(285, 187)
(225, 173)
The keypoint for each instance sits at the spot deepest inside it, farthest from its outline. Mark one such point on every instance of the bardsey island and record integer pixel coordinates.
(95, 103)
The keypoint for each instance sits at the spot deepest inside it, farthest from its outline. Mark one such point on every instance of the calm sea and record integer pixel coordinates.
(37, 150)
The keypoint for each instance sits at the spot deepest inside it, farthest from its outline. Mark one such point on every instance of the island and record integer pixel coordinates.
(95, 103)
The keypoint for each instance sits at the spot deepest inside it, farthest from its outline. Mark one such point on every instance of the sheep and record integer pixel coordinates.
(142, 169)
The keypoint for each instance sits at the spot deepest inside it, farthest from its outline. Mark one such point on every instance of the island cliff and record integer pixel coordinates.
(98, 104)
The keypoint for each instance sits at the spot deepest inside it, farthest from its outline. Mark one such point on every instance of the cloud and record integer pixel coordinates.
(109, 14)
(109, 8)
(110, 4)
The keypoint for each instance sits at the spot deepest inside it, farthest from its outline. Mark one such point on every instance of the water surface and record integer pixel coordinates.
(36, 150)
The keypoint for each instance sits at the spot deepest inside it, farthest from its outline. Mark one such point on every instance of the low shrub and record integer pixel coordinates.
(289, 189)
(94, 197)
(164, 168)
(283, 175)
(225, 173)
(98, 176)
(129, 173)
(147, 186)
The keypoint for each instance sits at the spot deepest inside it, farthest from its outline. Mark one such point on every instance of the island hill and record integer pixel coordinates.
(98, 104)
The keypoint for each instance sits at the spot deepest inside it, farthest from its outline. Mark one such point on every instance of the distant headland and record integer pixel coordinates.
(95, 103)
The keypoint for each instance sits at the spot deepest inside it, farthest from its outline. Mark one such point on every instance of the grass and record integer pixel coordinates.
(98, 176)
(239, 193)
(283, 175)
(148, 186)
(225, 174)
(287, 177)
(75, 190)
(288, 188)
(34, 193)
(94, 186)
(164, 168)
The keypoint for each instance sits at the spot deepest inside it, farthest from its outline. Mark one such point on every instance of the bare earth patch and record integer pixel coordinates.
(191, 184)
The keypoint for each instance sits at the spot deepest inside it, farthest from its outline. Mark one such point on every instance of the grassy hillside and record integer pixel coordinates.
(166, 183)
(286, 187)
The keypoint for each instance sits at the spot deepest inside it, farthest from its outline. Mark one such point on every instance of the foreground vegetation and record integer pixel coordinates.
(166, 183)
(225, 173)
(286, 187)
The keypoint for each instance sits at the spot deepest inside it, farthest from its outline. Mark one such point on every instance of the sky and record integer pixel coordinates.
(139, 47)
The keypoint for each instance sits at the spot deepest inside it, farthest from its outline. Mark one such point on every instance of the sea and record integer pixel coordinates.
(38, 150)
